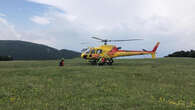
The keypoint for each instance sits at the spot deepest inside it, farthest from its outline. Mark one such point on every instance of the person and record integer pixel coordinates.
(101, 61)
(61, 63)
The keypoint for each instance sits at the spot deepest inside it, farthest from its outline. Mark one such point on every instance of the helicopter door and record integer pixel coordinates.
(92, 52)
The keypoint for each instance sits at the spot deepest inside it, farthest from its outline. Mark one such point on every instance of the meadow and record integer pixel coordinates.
(133, 84)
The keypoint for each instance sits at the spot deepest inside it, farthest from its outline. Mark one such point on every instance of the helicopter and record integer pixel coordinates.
(104, 54)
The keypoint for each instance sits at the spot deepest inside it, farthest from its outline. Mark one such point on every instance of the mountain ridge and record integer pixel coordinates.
(25, 50)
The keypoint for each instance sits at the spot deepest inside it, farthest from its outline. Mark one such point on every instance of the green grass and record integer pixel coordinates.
(136, 84)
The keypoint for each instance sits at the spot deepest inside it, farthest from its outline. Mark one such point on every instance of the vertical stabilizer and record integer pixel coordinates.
(154, 50)
(156, 47)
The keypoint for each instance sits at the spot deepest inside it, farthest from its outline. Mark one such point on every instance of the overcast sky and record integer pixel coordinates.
(69, 23)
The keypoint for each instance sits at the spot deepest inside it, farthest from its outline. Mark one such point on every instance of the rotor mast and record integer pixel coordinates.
(105, 42)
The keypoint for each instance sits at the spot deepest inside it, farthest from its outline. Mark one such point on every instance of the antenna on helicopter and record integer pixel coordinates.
(105, 41)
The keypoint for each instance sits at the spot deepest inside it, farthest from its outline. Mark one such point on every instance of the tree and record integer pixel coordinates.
(182, 53)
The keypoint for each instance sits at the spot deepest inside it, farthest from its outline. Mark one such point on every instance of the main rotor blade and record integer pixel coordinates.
(123, 40)
(84, 43)
(98, 38)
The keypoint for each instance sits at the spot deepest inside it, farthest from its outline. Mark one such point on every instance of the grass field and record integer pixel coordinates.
(136, 84)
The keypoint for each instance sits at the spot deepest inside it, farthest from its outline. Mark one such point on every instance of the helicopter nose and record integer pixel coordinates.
(83, 56)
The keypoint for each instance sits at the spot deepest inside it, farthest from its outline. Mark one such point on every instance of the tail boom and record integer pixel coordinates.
(120, 53)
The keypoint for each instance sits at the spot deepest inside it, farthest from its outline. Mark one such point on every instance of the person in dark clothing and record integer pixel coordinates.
(61, 63)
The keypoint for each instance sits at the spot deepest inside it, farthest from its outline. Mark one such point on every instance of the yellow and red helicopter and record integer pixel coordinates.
(104, 54)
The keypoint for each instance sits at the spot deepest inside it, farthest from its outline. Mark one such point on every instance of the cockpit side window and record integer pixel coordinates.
(93, 51)
(87, 51)
(99, 51)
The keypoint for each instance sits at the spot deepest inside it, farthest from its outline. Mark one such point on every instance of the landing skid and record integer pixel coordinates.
(102, 61)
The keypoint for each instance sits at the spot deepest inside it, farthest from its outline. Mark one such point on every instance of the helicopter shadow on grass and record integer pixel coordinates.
(136, 64)
(128, 64)
(113, 65)
(116, 63)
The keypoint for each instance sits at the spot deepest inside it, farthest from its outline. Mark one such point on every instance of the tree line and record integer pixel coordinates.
(182, 53)
(6, 58)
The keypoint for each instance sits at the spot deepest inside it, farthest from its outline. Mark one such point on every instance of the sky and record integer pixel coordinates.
(70, 24)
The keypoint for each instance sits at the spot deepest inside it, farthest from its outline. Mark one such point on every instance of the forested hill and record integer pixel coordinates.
(190, 53)
(21, 50)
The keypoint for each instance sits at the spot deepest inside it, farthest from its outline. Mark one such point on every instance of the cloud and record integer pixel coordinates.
(8, 31)
(109, 12)
(38, 37)
(1, 14)
(171, 23)
(40, 20)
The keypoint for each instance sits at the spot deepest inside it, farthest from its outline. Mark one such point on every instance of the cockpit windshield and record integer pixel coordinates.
(86, 51)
